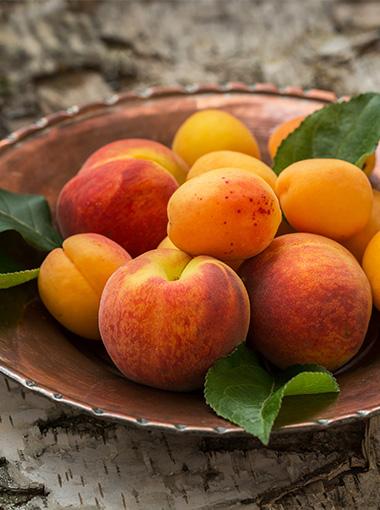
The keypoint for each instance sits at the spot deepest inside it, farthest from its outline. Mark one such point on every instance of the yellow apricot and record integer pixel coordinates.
(371, 266)
(329, 197)
(358, 242)
(213, 130)
(232, 159)
(281, 132)
(72, 278)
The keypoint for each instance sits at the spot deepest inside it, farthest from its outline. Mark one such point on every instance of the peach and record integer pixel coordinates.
(371, 266)
(158, 314)
(124, 200)
(358, 242)
(138, 148)
(281, 132)
(213, 130)
(310, 302)
(72, 278)
(231, 159)
(329, 197)
(226, 213)
(167, 243)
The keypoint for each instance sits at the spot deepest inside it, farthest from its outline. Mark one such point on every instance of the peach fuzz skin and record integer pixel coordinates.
(213, 130)
(72, 278)
(167, 243)
(329, 197)
(138, 148)
(310, 302)
(125, 200)
(227, 213)
(158, 313)
(231, 159)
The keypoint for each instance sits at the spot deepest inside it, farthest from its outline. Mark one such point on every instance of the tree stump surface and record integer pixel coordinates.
(57, 53)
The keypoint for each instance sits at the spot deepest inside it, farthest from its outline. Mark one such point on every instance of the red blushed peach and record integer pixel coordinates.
(138, 148)
(72, 278)
(310, 301)
(124, 200)
(165, 318)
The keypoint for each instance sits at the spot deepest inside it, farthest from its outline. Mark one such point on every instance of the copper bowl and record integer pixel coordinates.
(42, 356)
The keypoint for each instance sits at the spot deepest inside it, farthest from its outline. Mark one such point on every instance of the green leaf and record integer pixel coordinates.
(348, 130)
(240, 390)
(8, 280)
(29, 215)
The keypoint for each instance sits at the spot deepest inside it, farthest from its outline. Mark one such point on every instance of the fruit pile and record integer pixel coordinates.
(174, 257)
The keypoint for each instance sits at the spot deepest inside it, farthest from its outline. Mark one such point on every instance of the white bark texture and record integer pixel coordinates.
(52, 457)
(55, 53)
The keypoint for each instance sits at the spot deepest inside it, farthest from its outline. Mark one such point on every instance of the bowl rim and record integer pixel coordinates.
(154, 92)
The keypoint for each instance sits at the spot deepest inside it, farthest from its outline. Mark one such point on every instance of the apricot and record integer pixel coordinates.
(231, 159)
(213, 130)
(310, 301)
(138, 148)
(281, 132)
(226, 213)
(330, 197)
(371, 266)
(72, 278)
(158, 317)
(125, 200)
(358, 242)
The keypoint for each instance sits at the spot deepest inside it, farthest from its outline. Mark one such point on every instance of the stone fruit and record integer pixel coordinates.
(310, 302)
(358, 242)
(371, 266)
(165, 317)
(167, 243)
(226, 213)
(329, 197)
(137, 148)
(72, 278)
(231, 159)
(125, 200)
(213, 130)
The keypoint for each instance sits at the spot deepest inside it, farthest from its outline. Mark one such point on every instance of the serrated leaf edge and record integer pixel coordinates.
(31, 273)
(281, 390)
